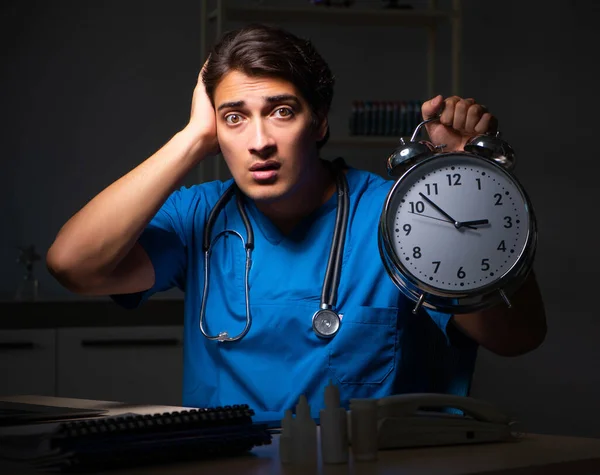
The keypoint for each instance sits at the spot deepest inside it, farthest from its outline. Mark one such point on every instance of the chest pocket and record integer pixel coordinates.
(364, 350)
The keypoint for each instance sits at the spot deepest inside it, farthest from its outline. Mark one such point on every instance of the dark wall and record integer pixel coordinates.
(89, 89)
(533, 63)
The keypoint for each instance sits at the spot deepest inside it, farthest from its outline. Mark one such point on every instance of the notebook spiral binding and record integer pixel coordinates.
(134, 440)
(128, 424)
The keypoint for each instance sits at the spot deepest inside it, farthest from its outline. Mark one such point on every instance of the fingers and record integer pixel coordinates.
(203, 69)
(467, 117)
(432, 107)
(487, 124)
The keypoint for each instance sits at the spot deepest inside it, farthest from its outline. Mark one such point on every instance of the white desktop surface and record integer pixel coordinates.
(534, 454)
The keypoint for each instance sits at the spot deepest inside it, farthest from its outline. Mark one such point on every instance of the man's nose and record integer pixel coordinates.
(261, 142)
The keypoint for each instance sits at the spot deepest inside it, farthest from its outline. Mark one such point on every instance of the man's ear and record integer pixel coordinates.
(321, 129)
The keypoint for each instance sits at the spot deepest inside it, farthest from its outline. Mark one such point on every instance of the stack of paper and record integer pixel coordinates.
(133, 439)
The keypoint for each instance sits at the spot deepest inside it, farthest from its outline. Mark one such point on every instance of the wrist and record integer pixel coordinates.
(198, 144)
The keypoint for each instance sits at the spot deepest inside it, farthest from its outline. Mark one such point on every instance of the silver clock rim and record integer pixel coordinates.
(456, 301)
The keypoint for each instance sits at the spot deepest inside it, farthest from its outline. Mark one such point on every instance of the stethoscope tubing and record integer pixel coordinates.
(224, 336)
(336, 252)
(334, 262)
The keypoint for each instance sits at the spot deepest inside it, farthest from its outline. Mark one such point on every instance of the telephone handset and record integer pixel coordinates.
(421, 419)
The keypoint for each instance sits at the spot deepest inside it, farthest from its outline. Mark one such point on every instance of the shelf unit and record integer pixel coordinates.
(218, 12)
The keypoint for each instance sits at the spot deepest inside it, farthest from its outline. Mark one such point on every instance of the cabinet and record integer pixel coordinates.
(27, 362)
(140, 365)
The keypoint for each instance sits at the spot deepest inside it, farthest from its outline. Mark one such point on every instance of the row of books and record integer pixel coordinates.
(384, 118)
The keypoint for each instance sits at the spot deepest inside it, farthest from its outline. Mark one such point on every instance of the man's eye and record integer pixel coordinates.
(233, 119)
(284, 112)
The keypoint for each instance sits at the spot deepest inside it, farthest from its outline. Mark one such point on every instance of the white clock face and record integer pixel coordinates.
(458, 223)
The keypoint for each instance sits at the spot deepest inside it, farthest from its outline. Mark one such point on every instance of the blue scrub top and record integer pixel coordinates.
(380, 349)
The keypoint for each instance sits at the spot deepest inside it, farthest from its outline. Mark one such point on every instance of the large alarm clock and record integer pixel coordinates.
(457, 232)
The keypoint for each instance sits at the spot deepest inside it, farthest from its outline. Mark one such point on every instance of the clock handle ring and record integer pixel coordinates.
(418, 127)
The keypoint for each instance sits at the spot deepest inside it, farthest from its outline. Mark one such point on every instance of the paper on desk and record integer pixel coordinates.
(30, 441)
(24, 442)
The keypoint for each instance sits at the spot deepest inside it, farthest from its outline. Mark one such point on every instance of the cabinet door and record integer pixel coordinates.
(141, 365)
(27, 362)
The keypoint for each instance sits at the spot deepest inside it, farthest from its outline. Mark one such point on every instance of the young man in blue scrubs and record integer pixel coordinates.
(262, 100)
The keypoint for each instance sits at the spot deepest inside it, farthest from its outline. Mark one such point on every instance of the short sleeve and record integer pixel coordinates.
(442, 321)
(453, 336)
(164, 240)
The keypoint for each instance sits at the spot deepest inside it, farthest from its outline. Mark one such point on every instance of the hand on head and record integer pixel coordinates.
(202, 117)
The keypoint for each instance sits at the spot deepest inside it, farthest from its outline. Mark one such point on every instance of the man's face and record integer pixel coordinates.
(265, 135)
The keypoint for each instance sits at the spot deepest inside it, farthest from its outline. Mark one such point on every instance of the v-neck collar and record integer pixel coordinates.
(273, 234)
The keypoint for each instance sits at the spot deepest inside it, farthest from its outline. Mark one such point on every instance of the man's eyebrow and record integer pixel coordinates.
(282, 98)
(232, 105)
(269, 99)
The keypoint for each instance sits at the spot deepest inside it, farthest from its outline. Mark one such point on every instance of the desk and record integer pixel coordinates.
(534, 454)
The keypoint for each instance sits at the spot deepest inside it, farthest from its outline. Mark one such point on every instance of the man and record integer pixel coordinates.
(262, 99)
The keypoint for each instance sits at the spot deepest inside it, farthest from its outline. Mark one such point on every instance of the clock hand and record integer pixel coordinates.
(432, 217)
(456, 223)
(475, 222)
(443, 220)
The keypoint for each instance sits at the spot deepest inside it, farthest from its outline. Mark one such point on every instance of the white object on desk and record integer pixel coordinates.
(404, 422)
(304, 435)
(334, 428)
(363, 420)
(286, 443)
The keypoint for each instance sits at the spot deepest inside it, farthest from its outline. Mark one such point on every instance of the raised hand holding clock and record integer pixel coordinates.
(450, 271)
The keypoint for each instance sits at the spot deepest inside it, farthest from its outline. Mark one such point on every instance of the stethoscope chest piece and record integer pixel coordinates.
(326, 323)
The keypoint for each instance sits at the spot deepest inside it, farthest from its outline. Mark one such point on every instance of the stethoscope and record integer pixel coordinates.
(326, 321)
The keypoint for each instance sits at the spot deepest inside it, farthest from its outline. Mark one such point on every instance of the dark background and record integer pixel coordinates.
(91, 88)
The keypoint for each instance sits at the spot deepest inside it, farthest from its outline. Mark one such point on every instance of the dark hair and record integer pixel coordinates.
(269, 51)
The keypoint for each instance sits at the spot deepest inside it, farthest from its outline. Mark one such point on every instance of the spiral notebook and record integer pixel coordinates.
(133, 439)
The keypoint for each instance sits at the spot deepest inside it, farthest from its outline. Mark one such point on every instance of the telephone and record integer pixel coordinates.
(418, 419)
